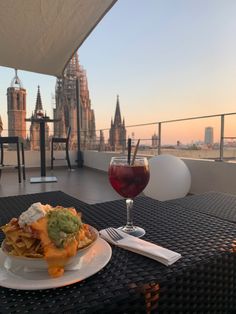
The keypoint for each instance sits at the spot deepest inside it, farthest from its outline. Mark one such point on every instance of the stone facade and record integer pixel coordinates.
(66, 107)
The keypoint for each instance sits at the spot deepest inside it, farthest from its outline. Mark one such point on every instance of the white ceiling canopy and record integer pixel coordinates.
(42, 35)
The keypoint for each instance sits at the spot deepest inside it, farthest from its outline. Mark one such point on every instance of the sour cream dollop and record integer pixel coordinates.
(33, 213)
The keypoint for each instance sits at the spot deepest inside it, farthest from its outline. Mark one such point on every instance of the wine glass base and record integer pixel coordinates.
(134, 231)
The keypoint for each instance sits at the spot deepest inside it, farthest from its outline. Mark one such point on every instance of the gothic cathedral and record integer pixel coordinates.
(66, 106)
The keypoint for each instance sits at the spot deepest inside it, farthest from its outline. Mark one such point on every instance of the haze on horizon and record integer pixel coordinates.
(166, 59)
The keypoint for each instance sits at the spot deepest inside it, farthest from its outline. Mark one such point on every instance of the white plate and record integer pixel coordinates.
(90, 263)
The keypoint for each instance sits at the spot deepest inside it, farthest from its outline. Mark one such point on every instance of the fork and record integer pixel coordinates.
(114, 235)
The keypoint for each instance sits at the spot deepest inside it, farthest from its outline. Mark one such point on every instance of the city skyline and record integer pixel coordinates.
(166, 60)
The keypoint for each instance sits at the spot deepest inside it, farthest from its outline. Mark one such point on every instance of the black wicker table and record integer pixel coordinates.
(202, 281)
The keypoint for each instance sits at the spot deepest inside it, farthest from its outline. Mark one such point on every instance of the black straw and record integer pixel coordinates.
(135, 152)
(129, 150)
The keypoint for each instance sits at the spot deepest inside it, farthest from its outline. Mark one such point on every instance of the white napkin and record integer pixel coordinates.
(143, 247)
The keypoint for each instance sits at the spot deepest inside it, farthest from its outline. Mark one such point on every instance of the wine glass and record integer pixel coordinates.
(129, 180)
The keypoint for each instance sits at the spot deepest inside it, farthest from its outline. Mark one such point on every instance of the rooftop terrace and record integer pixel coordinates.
(88, 185)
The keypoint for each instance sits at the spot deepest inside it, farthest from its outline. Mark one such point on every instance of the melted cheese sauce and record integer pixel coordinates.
(55, 257)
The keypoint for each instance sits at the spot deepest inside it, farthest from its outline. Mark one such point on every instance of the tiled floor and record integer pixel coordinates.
(88, 185)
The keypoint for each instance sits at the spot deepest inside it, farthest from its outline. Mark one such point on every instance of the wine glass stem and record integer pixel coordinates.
(129, 206)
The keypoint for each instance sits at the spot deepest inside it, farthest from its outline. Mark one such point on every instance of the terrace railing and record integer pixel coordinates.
(153, 138)
(223, 144)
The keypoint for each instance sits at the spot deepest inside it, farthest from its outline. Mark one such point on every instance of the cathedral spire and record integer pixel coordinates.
(38, 106)
(38, 112)
(117, 119)
(73, 68)
(117, 134)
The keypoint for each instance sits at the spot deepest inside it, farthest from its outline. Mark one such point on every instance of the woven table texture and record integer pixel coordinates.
(213, 203)
(202, 281)
(13, 206)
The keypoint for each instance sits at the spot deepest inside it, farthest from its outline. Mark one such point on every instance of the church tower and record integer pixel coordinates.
(16, 108)
(35, 126)
(66, 106)
(117, 139)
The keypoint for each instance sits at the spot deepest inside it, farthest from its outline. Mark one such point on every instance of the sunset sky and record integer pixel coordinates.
(167, 59)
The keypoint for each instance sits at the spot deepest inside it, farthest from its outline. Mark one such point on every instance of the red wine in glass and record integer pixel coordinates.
(129, 181)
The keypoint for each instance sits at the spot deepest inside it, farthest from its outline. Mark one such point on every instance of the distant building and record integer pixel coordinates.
(209, 139)
(66, 106)
(132, 139)
(16, 108)
(35, 126)
(101, 141)
(117, 138)
(155, 140)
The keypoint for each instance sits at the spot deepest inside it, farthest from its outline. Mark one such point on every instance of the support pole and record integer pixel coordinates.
(159, 138)
(79, 160)
(222, 127)
(42, 147)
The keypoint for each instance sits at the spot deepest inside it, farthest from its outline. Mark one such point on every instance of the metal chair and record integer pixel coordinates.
(64, 140)
(19, 145)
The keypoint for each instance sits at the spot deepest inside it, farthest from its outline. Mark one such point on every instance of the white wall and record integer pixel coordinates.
(209, 175)
(98, 160)
(206, 175)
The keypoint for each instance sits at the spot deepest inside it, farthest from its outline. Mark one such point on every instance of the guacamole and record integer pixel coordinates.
(62, 225)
